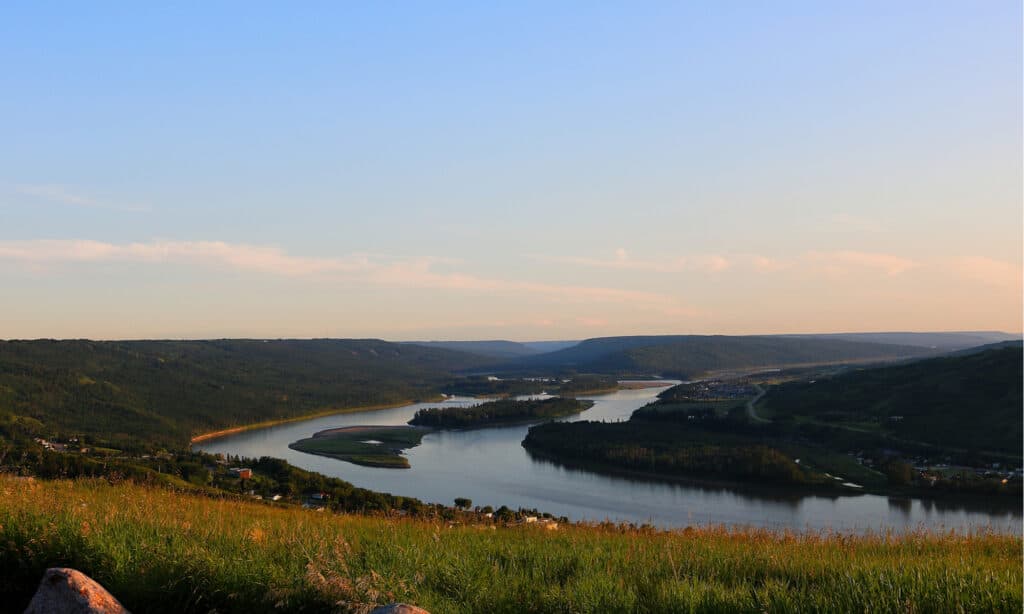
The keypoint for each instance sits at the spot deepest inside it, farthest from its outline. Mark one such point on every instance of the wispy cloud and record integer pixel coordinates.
(989, 271)
(623, 261)
(765, 264)
(238, 256)
(411, 273)
(828, 262)
(65, 196)
(844, 261)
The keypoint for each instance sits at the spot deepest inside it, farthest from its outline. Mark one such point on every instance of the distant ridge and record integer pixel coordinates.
(690, 355)
(941, 341)
(498, 348)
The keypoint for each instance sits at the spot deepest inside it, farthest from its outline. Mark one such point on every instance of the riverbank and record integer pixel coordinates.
(832, 490)
(318, 414)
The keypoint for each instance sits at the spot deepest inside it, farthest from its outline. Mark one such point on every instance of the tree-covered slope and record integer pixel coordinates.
(970, 401)
(690, 355)
(492, 349)
(944, 341)
(169, 390)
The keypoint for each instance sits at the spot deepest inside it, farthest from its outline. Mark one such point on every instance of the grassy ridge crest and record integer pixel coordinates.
(165, 551)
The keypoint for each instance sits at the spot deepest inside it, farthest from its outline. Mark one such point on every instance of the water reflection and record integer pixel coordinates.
(491, 467)
(901, 505)
(742, 492)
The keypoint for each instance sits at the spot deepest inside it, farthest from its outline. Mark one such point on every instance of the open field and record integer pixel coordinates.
(161, 551)
(372, 446)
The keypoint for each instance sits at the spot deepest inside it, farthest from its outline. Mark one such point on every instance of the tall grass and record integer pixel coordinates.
(161, 551)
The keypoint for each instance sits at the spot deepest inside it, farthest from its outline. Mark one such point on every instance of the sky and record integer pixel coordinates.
(525, 171)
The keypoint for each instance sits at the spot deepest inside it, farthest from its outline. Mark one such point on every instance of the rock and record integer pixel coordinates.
(67, 591)
(399, 608)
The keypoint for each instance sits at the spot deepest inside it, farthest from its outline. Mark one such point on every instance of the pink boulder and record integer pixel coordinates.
(67, 591)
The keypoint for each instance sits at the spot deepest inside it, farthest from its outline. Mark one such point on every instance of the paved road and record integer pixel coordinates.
(750, 405)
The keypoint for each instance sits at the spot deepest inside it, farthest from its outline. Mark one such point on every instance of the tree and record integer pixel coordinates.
(899, 473)
(463, 503)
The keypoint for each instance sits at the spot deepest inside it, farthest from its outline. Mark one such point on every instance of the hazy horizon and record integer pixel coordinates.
(519, 340)
(525, 172)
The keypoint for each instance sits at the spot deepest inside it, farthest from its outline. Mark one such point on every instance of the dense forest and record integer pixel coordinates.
(496, 412)
(917, 427)
(970, 401)
(657, 448)
(686, 356)
(483, 386)
(130, 392)
(575, 384)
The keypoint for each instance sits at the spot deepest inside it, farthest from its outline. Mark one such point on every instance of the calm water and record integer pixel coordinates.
(490, 467)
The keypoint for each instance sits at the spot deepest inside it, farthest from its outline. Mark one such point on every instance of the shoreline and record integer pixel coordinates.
(777, 491)
(317, 414)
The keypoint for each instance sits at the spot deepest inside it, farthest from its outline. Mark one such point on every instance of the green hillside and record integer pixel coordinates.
(499, 349)
(170, 390)
(970, 401)
(691, 355)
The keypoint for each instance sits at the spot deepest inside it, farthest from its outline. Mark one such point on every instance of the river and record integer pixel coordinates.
(490, 467)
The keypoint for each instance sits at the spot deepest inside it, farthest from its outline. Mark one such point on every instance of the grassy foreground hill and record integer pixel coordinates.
(162, 551)
(691, 355)
(167, 391)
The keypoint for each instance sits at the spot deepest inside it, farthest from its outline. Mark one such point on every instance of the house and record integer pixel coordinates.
(242, 472)
(530, 519)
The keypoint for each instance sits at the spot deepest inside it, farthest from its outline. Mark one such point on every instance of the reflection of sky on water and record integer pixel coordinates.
(491, 467)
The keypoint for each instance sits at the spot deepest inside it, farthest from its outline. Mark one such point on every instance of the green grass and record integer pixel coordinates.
(161, 551)
(351, 446)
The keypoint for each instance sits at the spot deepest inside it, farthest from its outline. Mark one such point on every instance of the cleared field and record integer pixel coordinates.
(373, 446)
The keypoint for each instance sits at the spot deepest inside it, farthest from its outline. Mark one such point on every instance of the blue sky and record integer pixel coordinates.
(522, 171)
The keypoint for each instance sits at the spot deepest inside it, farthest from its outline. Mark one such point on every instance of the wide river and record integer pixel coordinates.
(490, 467)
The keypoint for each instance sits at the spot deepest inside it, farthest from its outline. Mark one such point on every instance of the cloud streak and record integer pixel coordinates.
(622, 261)
(64, 196)
(829, 262)
(845, 260)
(413, 273)
(989, 271)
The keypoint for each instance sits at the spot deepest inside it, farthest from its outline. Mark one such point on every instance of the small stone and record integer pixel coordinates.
(399, 608)
(68, 591)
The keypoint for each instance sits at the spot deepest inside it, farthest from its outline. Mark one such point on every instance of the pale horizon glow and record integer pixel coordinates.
(528, 172)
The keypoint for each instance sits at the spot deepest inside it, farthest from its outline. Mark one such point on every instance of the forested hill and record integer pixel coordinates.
(499, 349)
(943, 341)
(171, 390)
(692, 355)
(970, 401)
(494, 349)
